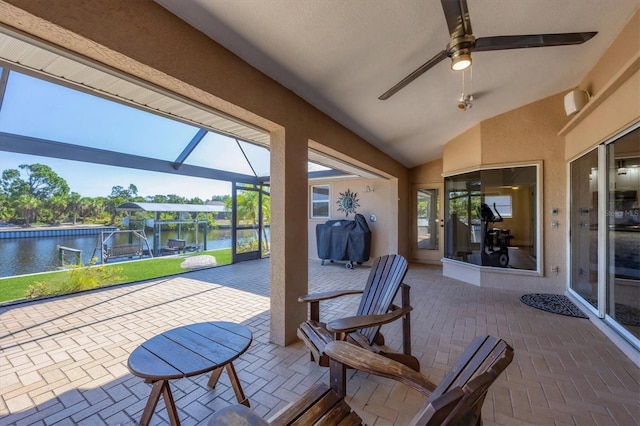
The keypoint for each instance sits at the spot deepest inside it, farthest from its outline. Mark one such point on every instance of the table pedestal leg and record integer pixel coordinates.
(237, 388)
(160, 387)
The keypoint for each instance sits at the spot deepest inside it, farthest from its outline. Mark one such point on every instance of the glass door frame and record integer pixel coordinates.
(604, 266)
(253, 254)
(428, 255)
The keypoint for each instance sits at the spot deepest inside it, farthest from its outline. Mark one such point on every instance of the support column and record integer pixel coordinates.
(289, 234)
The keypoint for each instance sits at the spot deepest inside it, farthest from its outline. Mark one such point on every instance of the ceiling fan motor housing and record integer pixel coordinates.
(459, 50)
(464, 42)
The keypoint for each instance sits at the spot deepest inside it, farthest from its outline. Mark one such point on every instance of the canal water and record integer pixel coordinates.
(19, 256)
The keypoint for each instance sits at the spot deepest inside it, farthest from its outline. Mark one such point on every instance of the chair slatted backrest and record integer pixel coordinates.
(479, 365)
(385, 277)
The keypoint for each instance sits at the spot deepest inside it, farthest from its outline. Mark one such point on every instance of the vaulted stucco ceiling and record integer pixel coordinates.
(341, 56)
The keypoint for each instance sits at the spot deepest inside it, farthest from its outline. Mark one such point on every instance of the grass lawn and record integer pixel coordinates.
(14, 288)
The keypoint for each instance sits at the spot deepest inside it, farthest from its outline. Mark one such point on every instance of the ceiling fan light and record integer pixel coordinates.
(460, 60)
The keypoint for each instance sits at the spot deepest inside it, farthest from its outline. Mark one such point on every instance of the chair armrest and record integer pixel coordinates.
(369, 362)
(315, 297)
(349, 324)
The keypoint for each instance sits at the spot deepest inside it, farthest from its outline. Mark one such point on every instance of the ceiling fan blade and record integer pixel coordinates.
(484, 44)
(417, 73)
(456, 13)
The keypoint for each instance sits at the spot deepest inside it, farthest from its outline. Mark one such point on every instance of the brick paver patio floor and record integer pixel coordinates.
(63, 361)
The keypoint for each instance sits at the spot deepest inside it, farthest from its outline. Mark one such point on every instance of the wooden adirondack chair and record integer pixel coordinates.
(376, 308)
(456, 400)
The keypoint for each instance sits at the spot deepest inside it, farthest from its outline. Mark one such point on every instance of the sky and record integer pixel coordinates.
(95, 180)
(41, 109)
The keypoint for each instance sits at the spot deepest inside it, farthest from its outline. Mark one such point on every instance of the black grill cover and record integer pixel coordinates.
(344, 239)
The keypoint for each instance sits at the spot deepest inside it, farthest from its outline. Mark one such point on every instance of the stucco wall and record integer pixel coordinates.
(616, 113)
(625, 46)
(427, 173)
(375, 202)
(614, 85)
(463, 152)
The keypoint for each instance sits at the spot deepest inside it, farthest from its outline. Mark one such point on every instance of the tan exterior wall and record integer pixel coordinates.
(625, 46)
(614, 85)
(374, 202)
(616, 113)
(427, 173)
(463, 152)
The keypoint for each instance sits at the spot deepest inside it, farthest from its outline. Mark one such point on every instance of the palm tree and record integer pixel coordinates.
(84, 206)
(58, 205)
(248, 209)
(266, 219)
(73, 203)
(28, 204)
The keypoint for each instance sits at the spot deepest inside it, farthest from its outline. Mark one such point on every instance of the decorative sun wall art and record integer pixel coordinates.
(348, 202)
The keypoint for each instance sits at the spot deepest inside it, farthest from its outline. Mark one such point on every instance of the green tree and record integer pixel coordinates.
(5, 210)
(32, 180)
(74, 206)
(195, 200)
(222, 198)
(176, 199)
(28, 204)
(248, 211)
(57, 207)
(157, 199)
(84, 208)
(119, 195)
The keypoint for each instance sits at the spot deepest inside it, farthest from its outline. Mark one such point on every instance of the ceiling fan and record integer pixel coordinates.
(463, 42)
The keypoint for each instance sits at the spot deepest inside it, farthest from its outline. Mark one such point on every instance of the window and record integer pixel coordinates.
(320, 201)
(501, 203)
(491, 217)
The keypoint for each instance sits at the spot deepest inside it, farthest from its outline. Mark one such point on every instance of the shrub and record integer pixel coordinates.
(38, 289)
(79, 278)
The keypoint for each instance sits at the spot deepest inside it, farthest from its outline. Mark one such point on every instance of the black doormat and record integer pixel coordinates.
(554, 303)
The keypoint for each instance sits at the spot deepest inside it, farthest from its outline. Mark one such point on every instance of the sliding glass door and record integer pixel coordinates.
(605, 232)
(584, 227)
(623, 232)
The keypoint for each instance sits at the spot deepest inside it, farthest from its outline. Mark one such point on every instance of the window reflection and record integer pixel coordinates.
(623, 220)
(491, 217)
(584, 227)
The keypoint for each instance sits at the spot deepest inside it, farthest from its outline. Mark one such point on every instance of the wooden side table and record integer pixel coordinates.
(188, 351)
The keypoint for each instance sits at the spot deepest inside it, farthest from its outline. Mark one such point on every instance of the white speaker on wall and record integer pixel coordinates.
(574, 101)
